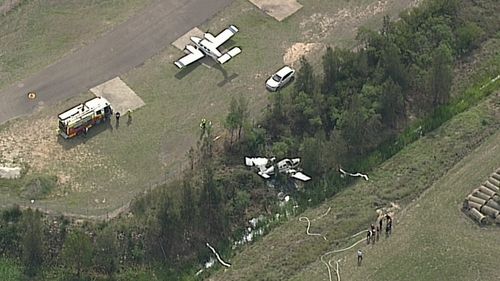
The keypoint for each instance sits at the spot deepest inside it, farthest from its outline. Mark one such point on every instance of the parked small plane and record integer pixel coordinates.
(287, 166)
(208, 46)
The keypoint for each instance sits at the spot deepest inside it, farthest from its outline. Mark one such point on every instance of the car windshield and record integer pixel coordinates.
(276, 78)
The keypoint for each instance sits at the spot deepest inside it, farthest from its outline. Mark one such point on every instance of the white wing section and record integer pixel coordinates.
(222, 37)
(258, 161)
(301, 176)
(229, 55)
(266, 176)
(194, 55)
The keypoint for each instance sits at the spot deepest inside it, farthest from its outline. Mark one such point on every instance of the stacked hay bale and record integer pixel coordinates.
(483, 203)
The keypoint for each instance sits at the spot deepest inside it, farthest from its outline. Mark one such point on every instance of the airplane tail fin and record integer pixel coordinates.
(229, 55)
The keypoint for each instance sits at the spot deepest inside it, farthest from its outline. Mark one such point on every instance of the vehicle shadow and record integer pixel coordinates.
(69, 144)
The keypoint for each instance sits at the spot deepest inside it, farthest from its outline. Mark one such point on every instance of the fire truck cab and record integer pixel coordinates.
(80, 118)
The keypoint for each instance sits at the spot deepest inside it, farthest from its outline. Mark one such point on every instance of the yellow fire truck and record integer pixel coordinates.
(80, 118)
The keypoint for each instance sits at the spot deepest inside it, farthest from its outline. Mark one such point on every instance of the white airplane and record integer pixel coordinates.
(287, 166)
(207, 46)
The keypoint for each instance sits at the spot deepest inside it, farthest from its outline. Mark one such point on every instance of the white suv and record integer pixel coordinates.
(280, 78)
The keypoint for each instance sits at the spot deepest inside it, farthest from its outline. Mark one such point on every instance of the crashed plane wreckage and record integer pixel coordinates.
(285, 166)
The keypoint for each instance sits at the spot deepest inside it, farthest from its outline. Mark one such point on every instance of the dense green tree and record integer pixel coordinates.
(360, 126)
(441, 75)
(305, 81)
(392, 107)
(232, 118)
(468, 37)
(169, 234)
(212, 215)
(78, 252)
(106, 252)
(188, 216)
(32, 244)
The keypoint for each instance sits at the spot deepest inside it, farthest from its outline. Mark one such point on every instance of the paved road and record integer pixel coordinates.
(116, 52)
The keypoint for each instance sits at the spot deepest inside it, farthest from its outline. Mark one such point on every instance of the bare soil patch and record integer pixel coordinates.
(35, 144)
(297, 50)
(278, 9)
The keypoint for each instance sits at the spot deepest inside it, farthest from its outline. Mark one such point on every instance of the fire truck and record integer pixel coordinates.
(79, 119)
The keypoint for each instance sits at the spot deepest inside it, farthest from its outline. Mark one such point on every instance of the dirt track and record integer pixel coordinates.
(116, 52)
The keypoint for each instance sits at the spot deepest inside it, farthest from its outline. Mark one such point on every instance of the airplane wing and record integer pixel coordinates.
(301, 176)
(229, 55)
(222, 37)
(258, 161)
(264, 175)
(194, 55)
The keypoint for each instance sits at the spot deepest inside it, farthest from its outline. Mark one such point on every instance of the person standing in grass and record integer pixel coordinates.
(360, 257)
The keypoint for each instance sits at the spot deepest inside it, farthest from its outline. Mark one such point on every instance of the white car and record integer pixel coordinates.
(280, 78)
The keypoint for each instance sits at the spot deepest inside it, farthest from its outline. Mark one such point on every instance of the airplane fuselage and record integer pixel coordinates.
(206, 46)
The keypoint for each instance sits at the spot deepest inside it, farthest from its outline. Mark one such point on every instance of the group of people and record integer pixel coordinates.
(374, 231)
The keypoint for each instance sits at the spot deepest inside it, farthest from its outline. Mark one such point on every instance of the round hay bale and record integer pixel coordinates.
(486, 190)
(497, 220)
(489, 185)
(489, 211)
(471, 205)
(481, 195)
(477, 215)
(491, 203)
(494, 181)
(496, 176)
(476, 200)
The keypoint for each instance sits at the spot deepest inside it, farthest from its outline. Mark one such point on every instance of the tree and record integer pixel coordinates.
(237, 116)
(188, 217)
(392, 107)
(232, 118)
(330, 71)
(305, 81)
(32, 242)
(169, 235)
(105, 258)
(360, 126)
(211, 208)
(77, 252)
(441, 75)
(468, 37)
(243, 114)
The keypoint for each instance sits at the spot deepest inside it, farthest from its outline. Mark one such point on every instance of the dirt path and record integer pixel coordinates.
(116, 52)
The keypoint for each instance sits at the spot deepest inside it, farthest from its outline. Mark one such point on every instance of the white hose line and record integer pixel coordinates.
(324, 215)
(309, 226)
(353, 175)
(327, 267)
(218, 257)
(361, 232)
(338, 251)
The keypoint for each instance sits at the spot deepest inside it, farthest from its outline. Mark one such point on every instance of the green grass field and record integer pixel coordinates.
(287, 253)
(9, 271)
(37, 33)
(106, 170)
